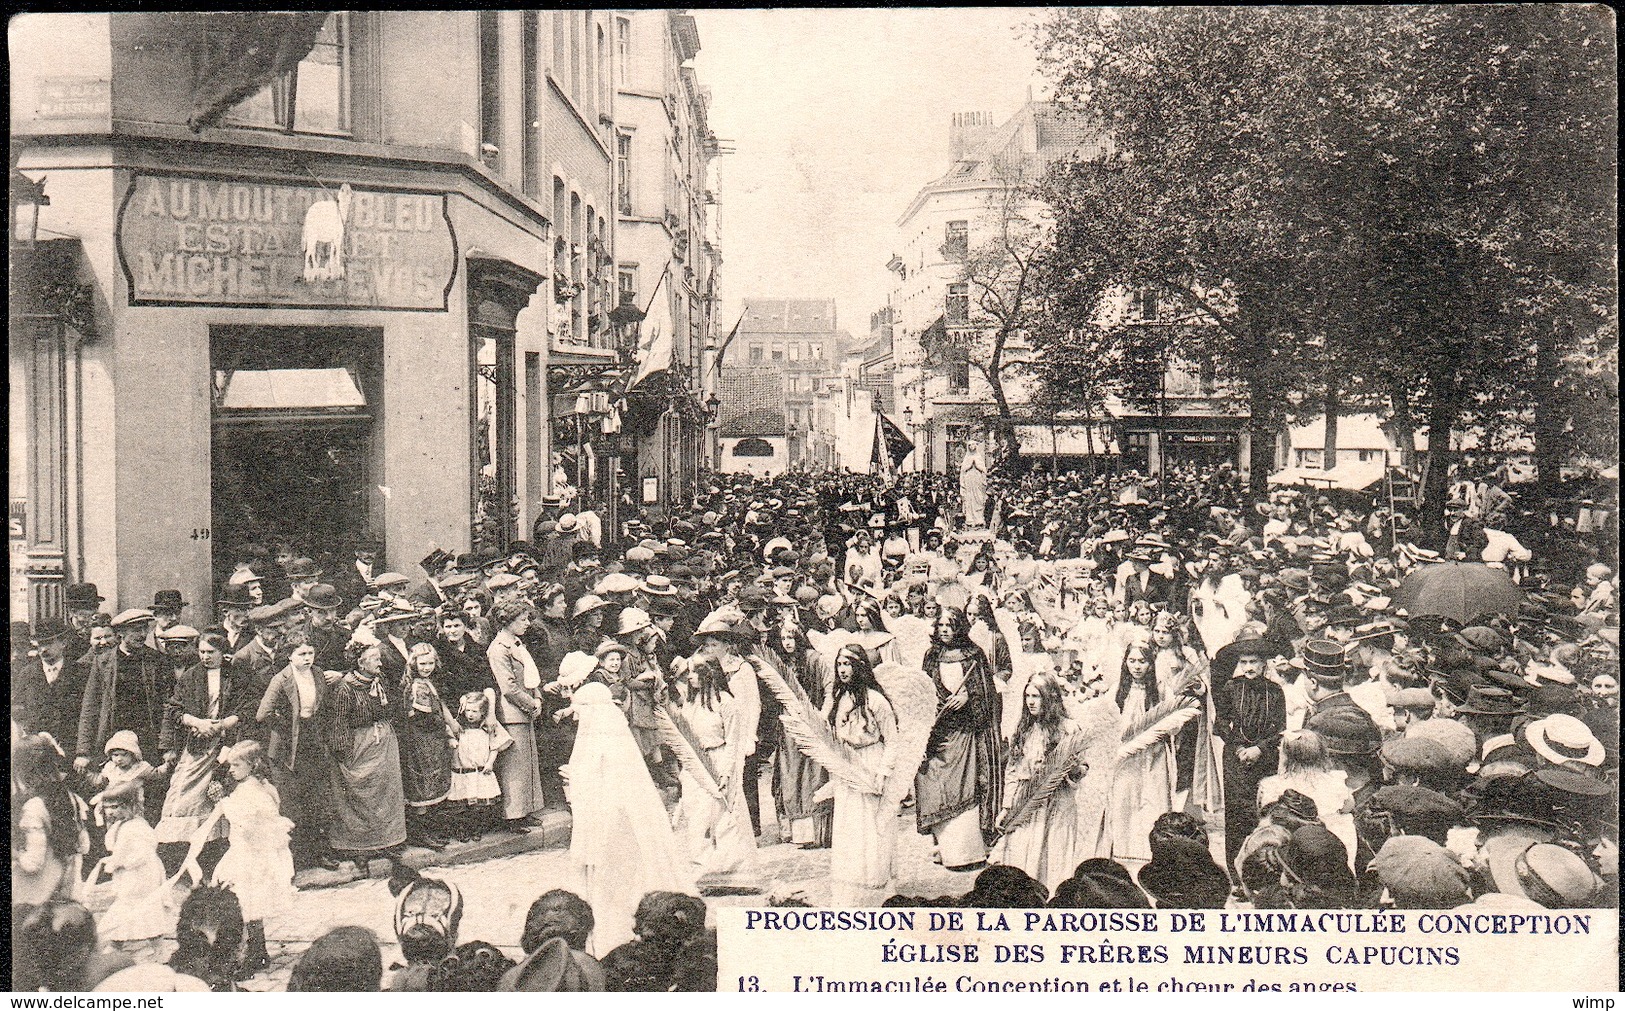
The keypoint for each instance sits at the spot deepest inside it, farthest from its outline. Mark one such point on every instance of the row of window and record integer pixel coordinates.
(794, 351)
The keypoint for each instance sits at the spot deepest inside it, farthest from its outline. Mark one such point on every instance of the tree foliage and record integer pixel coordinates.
(1406, 209)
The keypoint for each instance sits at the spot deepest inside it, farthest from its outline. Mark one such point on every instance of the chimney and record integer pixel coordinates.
(966, 131)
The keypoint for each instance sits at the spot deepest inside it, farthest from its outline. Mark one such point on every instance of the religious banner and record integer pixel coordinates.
(213, 241)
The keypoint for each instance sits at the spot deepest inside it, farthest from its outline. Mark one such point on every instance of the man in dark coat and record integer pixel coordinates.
(125, 689)
(47, 688)
(1250, 717)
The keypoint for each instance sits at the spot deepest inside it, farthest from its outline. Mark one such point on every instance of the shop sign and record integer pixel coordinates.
(73, 98)
(190, 240)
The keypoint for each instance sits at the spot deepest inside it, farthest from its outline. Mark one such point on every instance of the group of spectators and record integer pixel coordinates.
(1232, 703)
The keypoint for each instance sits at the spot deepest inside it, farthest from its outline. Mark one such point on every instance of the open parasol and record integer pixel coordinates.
(1459, 590)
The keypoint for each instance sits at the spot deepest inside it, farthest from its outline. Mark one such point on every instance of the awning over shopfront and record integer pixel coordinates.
(1068, 440)
(1352, 476)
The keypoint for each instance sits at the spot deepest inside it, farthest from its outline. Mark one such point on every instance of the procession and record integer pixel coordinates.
(421, 584)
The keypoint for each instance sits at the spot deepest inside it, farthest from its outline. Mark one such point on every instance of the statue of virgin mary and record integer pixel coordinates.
(973, 485)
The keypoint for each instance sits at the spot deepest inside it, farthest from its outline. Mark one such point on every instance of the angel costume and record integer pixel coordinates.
(960, 786)
(865, 836)
(1044, 842)
(621, 843)
(718, 829)
(1144, 778)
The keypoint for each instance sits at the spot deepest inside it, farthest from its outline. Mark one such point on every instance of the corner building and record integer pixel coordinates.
(326, 315)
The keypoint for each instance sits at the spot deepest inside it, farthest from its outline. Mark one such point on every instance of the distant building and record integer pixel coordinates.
(798, 340)
(752, 426)
(946, 402)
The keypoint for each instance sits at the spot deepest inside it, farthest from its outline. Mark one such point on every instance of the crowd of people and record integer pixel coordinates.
(1090, 690)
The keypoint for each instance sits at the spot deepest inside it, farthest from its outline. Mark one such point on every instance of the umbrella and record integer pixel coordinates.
(1459, 590)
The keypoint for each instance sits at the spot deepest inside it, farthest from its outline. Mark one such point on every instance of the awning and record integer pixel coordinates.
(1069, 440)
(1352, 476)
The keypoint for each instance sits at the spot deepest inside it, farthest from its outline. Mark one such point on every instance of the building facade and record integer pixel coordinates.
(668, 252)
(322, 314)
(798, 340)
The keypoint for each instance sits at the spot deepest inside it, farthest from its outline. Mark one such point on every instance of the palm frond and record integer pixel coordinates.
(1032, 795)
(812, 736)
(676, 734)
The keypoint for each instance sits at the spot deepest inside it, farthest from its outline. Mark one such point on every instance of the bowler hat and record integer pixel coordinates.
(234, 595)
(322, 596)
(303, 568)
(168, 600)
(83, 596)
(49, 630)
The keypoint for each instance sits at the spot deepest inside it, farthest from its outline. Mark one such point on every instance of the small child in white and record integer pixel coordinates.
(124, 765)
(137, 916)
(258, 866)
(474, 787)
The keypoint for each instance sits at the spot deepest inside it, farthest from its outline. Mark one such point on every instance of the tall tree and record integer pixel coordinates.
(1367, 188)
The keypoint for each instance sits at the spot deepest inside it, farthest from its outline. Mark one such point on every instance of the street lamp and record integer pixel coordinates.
(713, 407)
(27, 197)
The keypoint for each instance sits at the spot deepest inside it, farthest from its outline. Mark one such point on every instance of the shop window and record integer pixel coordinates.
(313, 97)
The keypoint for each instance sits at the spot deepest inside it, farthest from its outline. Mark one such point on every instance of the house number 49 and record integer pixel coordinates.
(200, 535)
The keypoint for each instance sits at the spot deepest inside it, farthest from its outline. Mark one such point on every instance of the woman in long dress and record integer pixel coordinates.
(717, 828)
(1144, 778)
(518, 685)
(201, 718)
(1041, 836)
(865, 831)
(621, 843)
(797, 778)
(959, 789)
(369, 801)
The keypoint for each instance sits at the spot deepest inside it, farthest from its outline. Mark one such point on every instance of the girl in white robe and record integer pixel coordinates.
(621, 843)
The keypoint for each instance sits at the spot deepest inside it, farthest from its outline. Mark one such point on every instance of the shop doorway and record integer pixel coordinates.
(293, 451)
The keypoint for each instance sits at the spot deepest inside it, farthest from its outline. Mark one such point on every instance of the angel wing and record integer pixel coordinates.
(1030, 798)
(676, 734)
(829, 643)
(913, 699)
(913, 638)
(811, 734)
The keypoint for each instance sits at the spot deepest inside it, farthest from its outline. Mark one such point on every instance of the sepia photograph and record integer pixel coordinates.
(862, 500)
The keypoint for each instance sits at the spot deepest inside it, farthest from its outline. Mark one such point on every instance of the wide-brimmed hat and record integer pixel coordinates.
(1458, 739)
(567, 524)
(617, 582)
(1421, 874)
(323, 596)
(1523, 861)
(1483, 700)
(1346, 731)
(247, 750)
(1562, 738)
(632, 619)
(717, 627)
(1418, 754)
(83, 596)
(1225, 660)
(588, 602)
(609, 646)
(168, 600)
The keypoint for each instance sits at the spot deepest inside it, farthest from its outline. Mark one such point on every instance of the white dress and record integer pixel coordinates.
(621, 842)
(1044, 845)
(477, 747)
(865, 829)
(137, 912)
(720, 839)
(259, 865)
